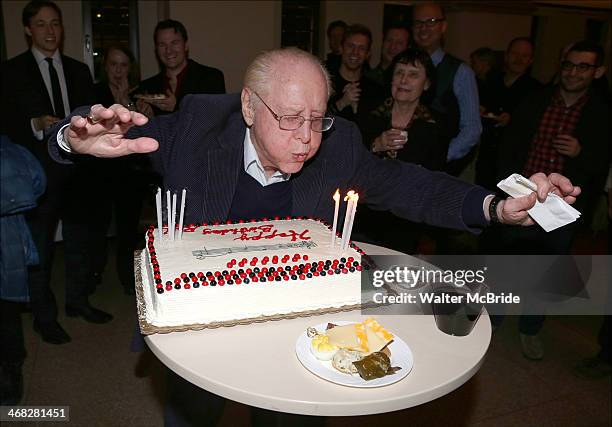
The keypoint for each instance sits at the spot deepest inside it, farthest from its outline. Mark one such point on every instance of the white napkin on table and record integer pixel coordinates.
(552, 214)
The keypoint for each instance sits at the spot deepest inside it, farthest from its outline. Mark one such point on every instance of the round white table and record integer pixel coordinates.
(256, 364)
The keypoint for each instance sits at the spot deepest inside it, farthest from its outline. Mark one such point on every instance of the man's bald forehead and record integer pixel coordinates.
(433, 9)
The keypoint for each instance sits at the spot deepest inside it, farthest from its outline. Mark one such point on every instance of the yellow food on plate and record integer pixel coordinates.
(321, 347)
(367, 337)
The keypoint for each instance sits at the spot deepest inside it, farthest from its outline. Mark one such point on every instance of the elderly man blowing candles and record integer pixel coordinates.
(273, 151)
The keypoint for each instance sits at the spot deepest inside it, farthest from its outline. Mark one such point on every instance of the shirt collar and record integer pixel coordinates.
(40, 57)
(557, 99)
(437, 56)
(253, 166)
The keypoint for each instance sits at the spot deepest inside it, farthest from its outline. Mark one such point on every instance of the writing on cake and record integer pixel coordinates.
(265, 231)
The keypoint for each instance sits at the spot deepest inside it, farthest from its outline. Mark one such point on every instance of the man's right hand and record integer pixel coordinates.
(101, 134)
(43, 122)
(351, 94)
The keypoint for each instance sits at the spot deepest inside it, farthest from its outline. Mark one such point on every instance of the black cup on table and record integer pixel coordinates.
(456, 309)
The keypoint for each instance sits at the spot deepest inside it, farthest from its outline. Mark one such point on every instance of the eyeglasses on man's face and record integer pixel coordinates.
(429, 23)
(293, 122)
(583, 67)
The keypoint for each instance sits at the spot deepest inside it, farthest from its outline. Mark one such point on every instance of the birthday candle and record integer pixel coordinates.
(336, 198)
(159, 213)
(352, 219)
(169, 208)
(173, 215)
(347, 216)
(183, 195)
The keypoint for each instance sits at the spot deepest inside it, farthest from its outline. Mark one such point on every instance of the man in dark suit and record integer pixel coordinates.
(180, 75)
(41, 86)
(265, 154)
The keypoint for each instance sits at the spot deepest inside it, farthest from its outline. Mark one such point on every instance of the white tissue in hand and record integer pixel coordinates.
(550, 215)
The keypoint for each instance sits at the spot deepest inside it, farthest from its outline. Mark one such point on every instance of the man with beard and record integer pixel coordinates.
(561, 129)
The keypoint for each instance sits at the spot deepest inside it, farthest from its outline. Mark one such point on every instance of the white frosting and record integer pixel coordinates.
(199, 250)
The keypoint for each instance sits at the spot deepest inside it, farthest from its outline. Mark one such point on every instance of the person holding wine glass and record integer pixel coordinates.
(403, 127)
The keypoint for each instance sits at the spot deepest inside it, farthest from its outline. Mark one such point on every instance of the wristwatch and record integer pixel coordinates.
(493, 210)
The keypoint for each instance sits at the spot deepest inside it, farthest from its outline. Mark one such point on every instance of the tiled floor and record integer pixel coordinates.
(107, 385)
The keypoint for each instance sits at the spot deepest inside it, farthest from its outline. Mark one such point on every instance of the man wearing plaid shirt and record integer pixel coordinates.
(563, 129)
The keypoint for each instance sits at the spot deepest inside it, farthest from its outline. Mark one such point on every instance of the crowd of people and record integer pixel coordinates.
(420, 109)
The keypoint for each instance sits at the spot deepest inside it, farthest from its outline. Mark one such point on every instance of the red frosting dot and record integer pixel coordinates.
(187, 286)
(344, 271)
(168, 287)
(177, 281)
(183, 275)
(305, 257)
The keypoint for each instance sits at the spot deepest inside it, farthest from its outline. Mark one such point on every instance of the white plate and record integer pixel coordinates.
(401, 356)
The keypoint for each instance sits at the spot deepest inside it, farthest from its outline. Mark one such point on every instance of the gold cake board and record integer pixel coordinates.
(147, 329)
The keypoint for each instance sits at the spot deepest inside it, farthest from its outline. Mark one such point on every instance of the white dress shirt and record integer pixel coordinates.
(43, 66)
(253, 166)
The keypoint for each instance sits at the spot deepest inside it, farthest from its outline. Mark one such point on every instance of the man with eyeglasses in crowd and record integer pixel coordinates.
(456, 92)
(561, 129)
(273, 151)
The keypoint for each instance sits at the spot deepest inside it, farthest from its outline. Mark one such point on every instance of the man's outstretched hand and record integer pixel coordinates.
(514, 211)
(101, 134)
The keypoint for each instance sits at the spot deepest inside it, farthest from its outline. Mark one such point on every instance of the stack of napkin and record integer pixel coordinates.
(552, 214)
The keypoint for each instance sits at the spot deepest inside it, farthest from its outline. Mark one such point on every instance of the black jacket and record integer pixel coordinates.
(588, 170)
(25, 96)
(198, 79)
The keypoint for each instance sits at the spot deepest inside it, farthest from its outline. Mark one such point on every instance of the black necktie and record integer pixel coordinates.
(56, 91)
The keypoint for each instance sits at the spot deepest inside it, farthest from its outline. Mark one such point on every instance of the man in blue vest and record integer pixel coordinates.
(456, 89)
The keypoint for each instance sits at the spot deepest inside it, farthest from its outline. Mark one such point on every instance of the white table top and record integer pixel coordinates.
(256, 364)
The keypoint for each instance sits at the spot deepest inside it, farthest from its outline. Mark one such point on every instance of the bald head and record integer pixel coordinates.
(280, 66)
(429, 26)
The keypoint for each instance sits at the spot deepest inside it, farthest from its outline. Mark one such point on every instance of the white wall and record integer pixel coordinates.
(368, 13)
(467, 31)
(228, 34)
